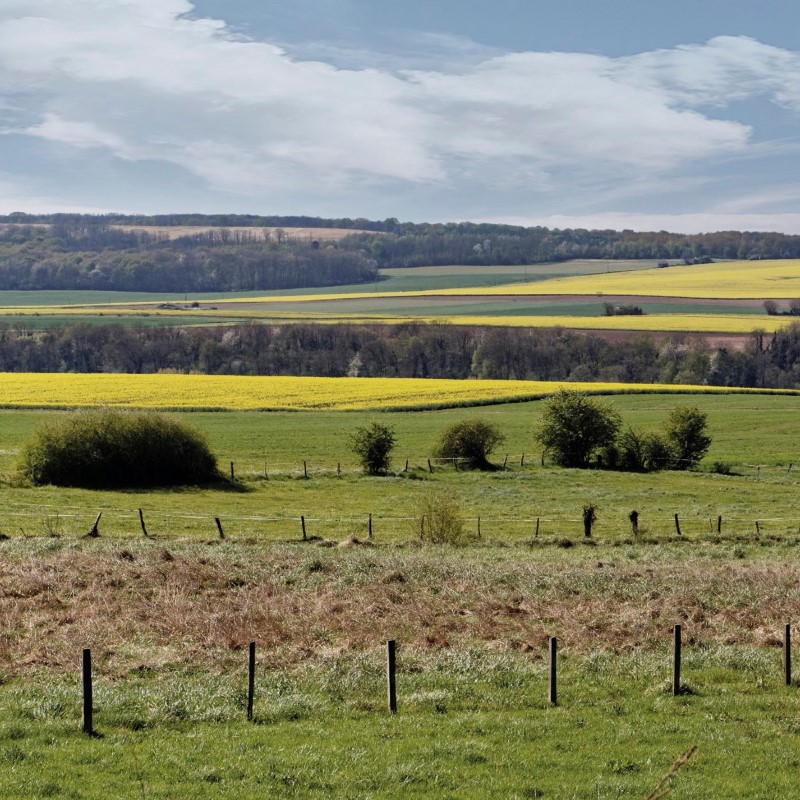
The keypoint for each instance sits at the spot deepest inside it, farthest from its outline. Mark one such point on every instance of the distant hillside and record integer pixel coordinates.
(231, 252)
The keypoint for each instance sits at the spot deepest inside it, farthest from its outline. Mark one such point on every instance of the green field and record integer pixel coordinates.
(169, 618)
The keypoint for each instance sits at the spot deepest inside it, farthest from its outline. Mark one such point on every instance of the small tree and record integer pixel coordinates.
(574, 427)
(471, 440)
(373, 445)
(685, 432)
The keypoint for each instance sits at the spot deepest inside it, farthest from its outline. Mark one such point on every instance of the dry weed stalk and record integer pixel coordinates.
(662, 790)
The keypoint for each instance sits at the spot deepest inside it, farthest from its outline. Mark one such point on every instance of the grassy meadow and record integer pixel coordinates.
(168, 618)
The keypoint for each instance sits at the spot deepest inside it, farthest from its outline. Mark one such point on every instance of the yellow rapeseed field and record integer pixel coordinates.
(731, 280)
(239, 393)
(778, 279)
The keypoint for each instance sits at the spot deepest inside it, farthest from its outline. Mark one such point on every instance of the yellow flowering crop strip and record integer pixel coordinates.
(241, 393)
(671, 323)
(734, 280)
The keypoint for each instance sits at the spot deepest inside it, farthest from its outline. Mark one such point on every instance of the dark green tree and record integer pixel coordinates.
(470, 441)
(574, 427)
(373, 444)
(685, 432)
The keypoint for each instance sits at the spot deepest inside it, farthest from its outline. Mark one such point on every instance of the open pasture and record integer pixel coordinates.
(168, 619)
(756, 436)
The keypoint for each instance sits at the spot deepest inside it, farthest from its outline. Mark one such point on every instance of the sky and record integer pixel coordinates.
(679, 115)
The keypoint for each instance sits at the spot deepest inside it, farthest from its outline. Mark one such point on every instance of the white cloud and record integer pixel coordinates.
(144, 81)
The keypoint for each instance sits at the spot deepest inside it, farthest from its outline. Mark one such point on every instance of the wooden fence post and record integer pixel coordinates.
(552, 672)
(676, 664)
(430, 467)
(219, 528)
(93, 531)
(233, 474)
(305, 470)
(522, 460)
(303, 526)
(479, 527)
(339, 470)
(391, 684)
(719, 524)
(537, 527)
(370, 526)
(405, 469)
(505, 461)
(251, 680)
(787, 654)
(141, 522)
(86, 675)
(678, 526)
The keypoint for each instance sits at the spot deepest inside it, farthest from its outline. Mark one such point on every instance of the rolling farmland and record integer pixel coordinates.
(723, 298)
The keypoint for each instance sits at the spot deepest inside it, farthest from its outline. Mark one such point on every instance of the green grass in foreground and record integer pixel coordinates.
(470, 725)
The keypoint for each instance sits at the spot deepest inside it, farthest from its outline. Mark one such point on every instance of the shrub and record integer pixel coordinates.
(111, 449)
(373, 445)
(440, 520)
(685, 432)
(471, 440)
(574, 427)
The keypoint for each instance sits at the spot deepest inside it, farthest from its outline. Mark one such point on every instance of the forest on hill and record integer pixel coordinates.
(413, 350)
(71, 251)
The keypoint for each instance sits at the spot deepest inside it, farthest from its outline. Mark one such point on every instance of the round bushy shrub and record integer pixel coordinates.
(470, 441)
(112, 449)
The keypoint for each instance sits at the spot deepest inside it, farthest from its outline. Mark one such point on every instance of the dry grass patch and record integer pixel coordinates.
(199, 605)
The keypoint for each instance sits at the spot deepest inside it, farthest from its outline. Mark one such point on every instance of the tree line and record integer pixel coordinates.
(109, 259)
(86, 252)
(414, 350)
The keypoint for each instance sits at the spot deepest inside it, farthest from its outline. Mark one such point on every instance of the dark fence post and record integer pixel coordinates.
(391, 684)
(787, 654)
(219, 528)
(552, 673)
(86, 675)
(719, 524)
(303, 526)
(233, 474)
(370, 526)
(537, 527)
(676, 666)
(479, 527)
(141, 522)
(305, 470)
(677, 526)
(251, 680)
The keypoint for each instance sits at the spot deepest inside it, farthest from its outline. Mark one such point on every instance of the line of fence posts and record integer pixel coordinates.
(589, 517)
(391, 674)
(455, 460)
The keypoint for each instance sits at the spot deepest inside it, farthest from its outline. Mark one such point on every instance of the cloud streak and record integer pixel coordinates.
(143, 80)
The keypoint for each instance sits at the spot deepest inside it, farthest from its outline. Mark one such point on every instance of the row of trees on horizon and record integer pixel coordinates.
(411, 350)
(88, 252)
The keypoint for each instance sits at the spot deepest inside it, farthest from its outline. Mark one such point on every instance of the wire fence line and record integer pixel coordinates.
(43, 520)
